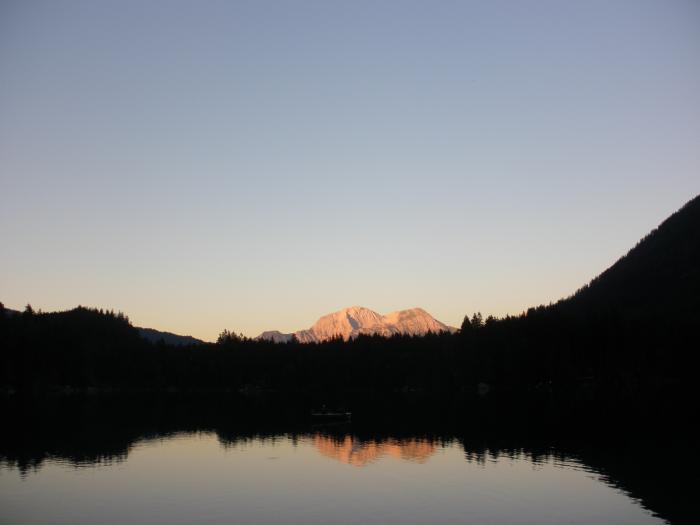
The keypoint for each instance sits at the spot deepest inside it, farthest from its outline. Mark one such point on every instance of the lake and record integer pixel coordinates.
(93, 463)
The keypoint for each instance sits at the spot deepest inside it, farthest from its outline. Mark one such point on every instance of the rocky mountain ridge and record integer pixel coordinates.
(350, 322)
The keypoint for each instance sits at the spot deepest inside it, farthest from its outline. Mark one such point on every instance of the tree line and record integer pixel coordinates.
(545, 351)
(630, 333)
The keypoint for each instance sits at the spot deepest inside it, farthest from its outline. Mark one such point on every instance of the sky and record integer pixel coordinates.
(250, 166)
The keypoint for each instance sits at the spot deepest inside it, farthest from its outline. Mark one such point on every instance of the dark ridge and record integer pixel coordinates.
(659, 276)
(168, 338)
(628, 336)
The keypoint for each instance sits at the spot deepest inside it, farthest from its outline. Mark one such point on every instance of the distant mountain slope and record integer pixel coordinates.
(355, 320)
(168, 338)
(275, 336)
(660, 275)
(149, 334)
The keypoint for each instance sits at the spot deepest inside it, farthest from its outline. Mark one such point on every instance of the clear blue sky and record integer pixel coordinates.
(253, 165)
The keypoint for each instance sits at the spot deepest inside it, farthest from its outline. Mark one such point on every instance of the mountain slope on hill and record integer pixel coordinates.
(150, 334)
(275, 336)
(659, 276)
(350, 322)
(168, 338)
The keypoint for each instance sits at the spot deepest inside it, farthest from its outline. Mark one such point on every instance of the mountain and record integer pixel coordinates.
(168, 338)
(660, 276)
(9, 311)
(275, 336)
(355, 320)
(149, 334)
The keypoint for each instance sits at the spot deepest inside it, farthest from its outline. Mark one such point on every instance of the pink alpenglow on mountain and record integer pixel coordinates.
(351, 322)
(275, 336)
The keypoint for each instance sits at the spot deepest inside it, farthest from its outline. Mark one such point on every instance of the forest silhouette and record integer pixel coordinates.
(630, 334)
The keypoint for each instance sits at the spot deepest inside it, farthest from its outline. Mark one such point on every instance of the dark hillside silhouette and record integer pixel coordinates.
(155, 336)
(630, 335)
(659, 276)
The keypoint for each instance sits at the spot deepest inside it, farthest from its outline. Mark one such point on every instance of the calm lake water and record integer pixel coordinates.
(111, 471)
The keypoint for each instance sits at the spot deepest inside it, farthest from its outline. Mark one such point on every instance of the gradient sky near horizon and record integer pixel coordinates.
(254, 165)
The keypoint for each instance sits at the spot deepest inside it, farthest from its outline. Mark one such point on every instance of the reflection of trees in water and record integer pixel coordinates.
(652, 467)
(30, 452)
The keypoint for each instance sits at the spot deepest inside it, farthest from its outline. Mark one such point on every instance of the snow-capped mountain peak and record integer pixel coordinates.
(355, 320)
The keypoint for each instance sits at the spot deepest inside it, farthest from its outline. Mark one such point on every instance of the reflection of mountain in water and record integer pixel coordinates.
(91, 431)
(353, 451)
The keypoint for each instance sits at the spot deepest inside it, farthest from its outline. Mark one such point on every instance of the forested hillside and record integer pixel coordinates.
(630, 334)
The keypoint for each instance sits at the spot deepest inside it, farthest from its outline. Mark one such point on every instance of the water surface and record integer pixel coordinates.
(319, 476)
